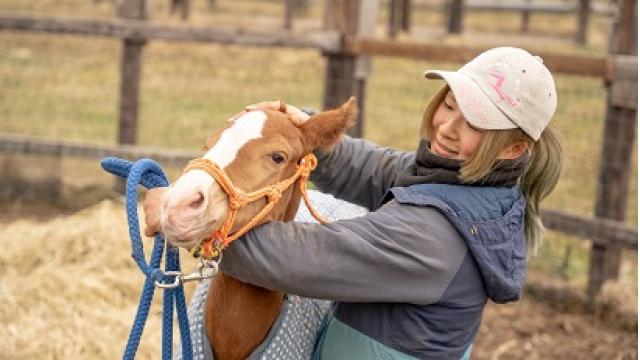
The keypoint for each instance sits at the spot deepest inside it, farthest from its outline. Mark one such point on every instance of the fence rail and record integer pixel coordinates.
(546, 6)
(554, 8)
(567, 64)
(35, 145)
(325, 41)
(599, 230)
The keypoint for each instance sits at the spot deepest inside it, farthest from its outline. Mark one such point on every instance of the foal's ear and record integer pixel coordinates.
(325, 129)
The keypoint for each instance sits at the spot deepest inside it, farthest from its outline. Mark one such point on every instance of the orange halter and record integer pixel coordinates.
(238, 198)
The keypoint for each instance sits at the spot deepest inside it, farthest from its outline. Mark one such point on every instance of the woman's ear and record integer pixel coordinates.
(514, 150)
(325, 129)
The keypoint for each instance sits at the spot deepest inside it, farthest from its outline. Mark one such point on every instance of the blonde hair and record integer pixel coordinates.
(542, 170)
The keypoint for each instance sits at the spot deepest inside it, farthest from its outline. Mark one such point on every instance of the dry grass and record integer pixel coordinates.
(69, 289)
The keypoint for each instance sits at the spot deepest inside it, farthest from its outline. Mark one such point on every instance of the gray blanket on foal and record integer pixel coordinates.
(294, 333)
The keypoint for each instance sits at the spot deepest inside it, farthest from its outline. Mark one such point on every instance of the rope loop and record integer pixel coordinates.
(148, 173)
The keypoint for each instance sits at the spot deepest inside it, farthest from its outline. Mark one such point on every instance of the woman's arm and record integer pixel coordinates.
(359, 171)
(399, 253)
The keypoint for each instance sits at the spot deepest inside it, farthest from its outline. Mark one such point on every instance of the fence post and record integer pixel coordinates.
(406, 15)
(455, 10)
(185, 8)
(289, 12)
(584, 9)
(346, 75)
(293, 8)
(394, 18)
(303, 7)
(526, 18)
(399, 17)
(130, 68)
(618, 139)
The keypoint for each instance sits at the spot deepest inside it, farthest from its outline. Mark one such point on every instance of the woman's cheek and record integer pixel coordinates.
(474, 139)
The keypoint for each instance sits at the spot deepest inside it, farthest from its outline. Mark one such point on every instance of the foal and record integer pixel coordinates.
(256, 149)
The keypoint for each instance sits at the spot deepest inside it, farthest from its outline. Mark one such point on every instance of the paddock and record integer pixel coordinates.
(68, 285)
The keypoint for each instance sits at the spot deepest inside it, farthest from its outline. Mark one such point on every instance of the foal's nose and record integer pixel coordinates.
(192, 204)
(196, 201)
(187, 209)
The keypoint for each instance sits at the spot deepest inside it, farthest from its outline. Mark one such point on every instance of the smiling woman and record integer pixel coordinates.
(451, 134)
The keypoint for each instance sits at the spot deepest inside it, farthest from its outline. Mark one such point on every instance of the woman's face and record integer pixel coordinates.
(452, 136)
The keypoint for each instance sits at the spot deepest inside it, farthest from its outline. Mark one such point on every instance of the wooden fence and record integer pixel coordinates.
(583, 9)
(401, 12)
(348, 45)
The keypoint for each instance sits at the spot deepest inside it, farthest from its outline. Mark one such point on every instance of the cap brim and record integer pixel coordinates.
(476, 106)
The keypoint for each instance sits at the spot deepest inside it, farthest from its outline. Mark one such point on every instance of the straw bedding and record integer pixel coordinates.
(69, 288)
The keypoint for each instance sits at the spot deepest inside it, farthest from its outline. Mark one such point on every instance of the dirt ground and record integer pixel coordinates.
(530, 329)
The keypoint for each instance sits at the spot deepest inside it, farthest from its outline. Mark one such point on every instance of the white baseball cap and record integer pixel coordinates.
(503, 88)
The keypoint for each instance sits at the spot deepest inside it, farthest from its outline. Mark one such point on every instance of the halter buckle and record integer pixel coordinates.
(207, 269)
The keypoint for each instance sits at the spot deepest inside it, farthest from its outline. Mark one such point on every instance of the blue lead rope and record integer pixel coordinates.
(148, 173)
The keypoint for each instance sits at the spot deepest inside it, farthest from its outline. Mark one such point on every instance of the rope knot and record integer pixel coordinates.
(311, 162)
(237, 202)
(273, 194)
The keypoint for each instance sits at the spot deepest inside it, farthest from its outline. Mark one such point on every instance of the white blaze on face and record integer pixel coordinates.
(244, 129)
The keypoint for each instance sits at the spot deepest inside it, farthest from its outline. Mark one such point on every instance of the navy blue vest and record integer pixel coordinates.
(491, 221)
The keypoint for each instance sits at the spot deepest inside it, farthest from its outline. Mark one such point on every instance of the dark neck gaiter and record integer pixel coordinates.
(431, 168)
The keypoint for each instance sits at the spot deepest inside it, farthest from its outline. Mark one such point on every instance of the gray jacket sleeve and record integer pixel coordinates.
(358, 171)
(400, 253)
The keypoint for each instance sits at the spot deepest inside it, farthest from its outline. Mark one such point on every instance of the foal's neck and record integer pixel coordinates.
(238, 315)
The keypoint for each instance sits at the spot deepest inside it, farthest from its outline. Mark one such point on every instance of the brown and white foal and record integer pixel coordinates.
(256, 149)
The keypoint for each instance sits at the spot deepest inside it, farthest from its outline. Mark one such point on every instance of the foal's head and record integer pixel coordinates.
(257, 148)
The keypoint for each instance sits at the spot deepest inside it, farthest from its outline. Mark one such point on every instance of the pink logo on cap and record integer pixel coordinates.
(500, 79)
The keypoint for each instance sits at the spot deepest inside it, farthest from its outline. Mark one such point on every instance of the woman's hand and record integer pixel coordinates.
(297, 115)
(151, 207)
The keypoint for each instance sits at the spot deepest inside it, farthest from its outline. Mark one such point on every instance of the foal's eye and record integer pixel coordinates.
(278, 157)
